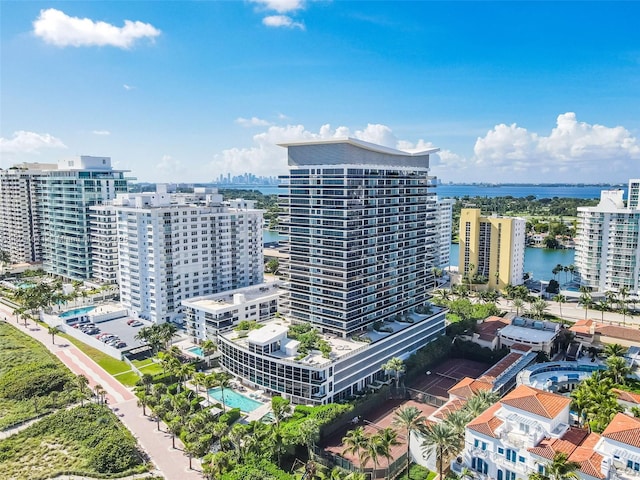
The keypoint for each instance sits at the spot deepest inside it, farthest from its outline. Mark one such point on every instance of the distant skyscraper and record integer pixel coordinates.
(19, 217)
(175, 247)
(492, 247)
(445, 221)
(65, 197)
(608, 242)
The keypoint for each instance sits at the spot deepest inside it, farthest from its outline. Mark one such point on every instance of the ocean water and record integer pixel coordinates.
(492, 191)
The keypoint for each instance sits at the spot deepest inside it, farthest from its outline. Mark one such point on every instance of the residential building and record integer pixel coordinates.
(607, 254)
(591, 333)
(103, 235)
(521, 434)
(175, 247)
(492, 247)
(361, 223)
(65, 197)
(444, 208)
(361, 227)
(209, 315)
(19, 217)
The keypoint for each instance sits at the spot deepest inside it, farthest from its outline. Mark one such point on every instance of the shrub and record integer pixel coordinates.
(35, 379)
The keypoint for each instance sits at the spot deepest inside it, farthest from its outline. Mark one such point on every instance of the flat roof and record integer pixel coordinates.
(524, 334)
(360, 143)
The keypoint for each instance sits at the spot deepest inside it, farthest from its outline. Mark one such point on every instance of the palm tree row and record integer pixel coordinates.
(157, 336)
(371, 447)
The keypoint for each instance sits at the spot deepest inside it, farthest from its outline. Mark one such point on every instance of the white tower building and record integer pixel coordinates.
(608, 242)
(175, 247)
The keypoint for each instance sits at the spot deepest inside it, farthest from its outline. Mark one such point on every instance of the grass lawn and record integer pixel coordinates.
(110, 364)
(417, 472)
(129, 379)
(28, 370)
(152, 369)
(85, 440)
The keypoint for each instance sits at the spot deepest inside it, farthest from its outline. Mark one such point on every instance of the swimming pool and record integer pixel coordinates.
(233, 399)
(196, 351)
(76, 312)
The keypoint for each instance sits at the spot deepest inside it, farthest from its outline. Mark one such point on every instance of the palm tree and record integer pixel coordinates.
(175, 427)
(209, 382)
(53, 331)
(518, 303)
(618, 370)
(82, 382)
(539, 308)
(602, 306)
(395, 365)
(184, 371)
(143, 400)
(441, 439)
(355, 442)
(561, 468)
(209, 347)
(614, 350)
(386, 439)
(223, 380)
(217, 465)
(371, 452)
(147, 381)
(560, 299)
(309, 433)
(409, 419)
(585, 300)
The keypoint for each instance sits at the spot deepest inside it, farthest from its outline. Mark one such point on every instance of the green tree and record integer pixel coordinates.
(387, 438)
(396, 366)
(441, 439)
(618, 370)
(585, 300)
(223, 380)
(561, 468)
(355, 442)
(614, 350)
(53, 331)
(410, 419)
(560, 299)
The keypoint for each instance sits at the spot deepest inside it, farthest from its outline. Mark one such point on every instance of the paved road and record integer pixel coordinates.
(573, 312)
(171, 463)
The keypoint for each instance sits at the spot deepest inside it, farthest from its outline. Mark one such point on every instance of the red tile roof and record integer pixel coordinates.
(495, 371)
(488, 329)
(468, 387)
(615, 331)
(625, 396)
(521, 347)
(624, 429)
(448, 408)
(486, 423)
(548, 447)
(538, 402)
(582, 327)
(589, 460)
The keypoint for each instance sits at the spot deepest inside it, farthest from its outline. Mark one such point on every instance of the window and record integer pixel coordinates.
(521, 459)
(501, 450)
(511, 455)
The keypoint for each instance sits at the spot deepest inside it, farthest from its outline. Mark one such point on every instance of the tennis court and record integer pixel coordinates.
(439, 379)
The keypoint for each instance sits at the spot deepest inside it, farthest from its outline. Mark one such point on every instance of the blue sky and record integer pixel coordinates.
(184, 91)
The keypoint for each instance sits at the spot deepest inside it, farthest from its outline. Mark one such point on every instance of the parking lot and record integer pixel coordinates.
(122, 330)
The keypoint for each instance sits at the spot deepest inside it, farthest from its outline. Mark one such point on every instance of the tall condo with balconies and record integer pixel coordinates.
(175, 247)
(65, 197)
(608, 242)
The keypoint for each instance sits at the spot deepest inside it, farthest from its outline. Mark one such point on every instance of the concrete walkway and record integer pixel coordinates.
(171, 463)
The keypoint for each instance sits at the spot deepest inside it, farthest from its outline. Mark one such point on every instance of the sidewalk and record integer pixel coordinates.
(173, 464)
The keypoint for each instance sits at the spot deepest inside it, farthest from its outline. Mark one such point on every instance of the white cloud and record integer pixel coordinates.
(284, 21)
(29, 142)
(170, 167)
(128, 87)
(252, 122)
(57, 28)
(101, 132)
(588, 152)
(281, 6)
(267, 158)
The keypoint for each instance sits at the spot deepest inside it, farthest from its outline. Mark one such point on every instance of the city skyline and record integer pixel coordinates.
(526, 92)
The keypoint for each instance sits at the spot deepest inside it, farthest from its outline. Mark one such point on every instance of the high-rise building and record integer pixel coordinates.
(492, 247)
(19, 217)
(65, 196)
(175, 247)
(444, 208)
(103, 235)
(361, 225)
(607, 242)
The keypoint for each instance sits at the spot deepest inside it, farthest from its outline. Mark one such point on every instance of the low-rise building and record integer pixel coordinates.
(268, 359)
(591, 333)
(209, 315)
(519, 333)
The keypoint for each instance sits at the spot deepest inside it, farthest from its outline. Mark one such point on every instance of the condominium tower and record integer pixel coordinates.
(19, 217)
(492, 247)
(361, 222)
(175, 247)
(607, 242)
(66, 195)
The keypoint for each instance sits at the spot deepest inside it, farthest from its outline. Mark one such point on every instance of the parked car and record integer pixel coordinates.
(136, 324)
(104, 334)
(120, 345)
(131, 320)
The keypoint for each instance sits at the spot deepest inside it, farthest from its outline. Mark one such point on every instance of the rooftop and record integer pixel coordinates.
(222, 301)
(538, 402)
(624, 429)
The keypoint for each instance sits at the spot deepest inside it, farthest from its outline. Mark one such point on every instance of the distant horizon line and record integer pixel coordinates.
(474, 184)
